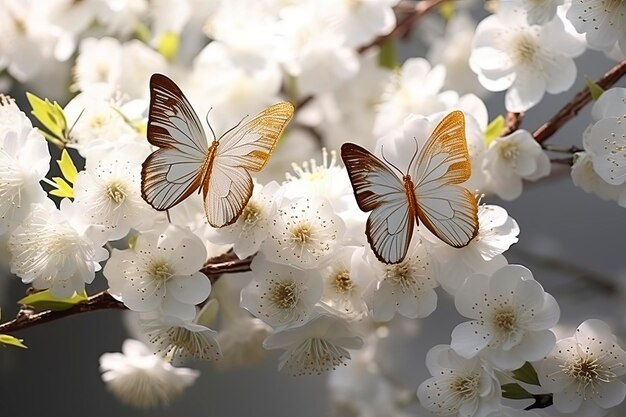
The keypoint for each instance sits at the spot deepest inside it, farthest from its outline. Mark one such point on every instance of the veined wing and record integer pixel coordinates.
(173, 172)
(446, 209)
(244, 149)
(378, 189)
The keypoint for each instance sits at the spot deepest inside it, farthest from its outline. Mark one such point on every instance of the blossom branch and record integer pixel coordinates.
(403, 27)
(26, 317)
(580, 100)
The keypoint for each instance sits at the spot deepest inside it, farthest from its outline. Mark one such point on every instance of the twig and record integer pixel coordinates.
(569, 161)
(213, 269)
(541, 401)
(580, 100)
(513, 122)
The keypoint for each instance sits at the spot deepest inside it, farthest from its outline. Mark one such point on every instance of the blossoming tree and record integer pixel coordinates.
(297, 269)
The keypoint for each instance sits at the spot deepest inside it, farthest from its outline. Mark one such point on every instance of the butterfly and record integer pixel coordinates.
(185, 162)
(427, 192)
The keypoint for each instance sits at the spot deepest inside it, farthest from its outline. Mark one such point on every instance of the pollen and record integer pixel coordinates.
(284, 295)
(342, 283)
(465, 386)
(301, 234)
(508, 151)
(401, 275)
(588, 371)
(159, 271)
(505, 320)
(251, 213)
(525, 49)
(116, 191)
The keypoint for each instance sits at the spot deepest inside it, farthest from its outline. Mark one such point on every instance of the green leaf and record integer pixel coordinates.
(595, 90)
(5, 339)
(68, 169)
(169, 45)
(63, 189)
(494, 130)
(208, 314)
(388, 56)
(446, 10)
(43, 300)
(514, 391)
(50, 115)
(526, 374)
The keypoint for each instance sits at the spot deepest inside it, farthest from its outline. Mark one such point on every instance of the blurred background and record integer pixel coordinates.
(573, 242)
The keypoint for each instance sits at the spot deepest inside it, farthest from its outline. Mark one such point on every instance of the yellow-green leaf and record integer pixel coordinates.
(50, 115)
(208, 314)
(447, 9)
(43, 300)
(388, 56)
(168, 45)
(68, 169)
(494, 130)
(5, 339)
(63, 190)
(143, 32)
(513, 391)
(595, 90)
(132, 241)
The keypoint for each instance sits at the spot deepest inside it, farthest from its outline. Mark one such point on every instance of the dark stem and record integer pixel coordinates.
(541, 401)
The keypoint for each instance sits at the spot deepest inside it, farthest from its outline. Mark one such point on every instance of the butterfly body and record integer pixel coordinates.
(186, 162)
(427, 192)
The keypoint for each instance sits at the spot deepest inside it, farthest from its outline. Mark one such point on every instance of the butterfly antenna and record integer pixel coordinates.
(382, 152)
(414, 154)
(209, 123)
(236, 126)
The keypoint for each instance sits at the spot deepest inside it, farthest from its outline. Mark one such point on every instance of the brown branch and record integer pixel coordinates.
(513, 122)
(401, 29)
(28, 318)
(213, 269)
(580, 100)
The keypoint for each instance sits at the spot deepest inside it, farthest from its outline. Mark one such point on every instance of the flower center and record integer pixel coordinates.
(342, 282)
(400, 275)
(465, 385)
(159, 271)
(284, 295)
(251, 213)
(588, 371)
(508, 151)
(301, 234)
(60, 240)
(98, 121)
(116, 191)
(525, 49)
(505, 320)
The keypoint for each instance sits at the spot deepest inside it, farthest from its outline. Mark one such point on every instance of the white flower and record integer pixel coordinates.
(363, 20)
(343, 288)
(160, 273)
(327, 180)
(139, 62)
(109, 190)
(415, 89)
(312, 48)
(585, 177)
(603, 22)
(139, 378)
(96, 121)
(582, 371)
(98, 66)
(304, 233)
(52, 250)
(178, 338)
(464, 386)
(242, 342)
(511, 317)
(527, 60)
(318, 346)
(251, 228)
(281, 295)
(512, 158)
(453, 52)
(497, 231)
(24, 161)
(122, 17)
(406, 288)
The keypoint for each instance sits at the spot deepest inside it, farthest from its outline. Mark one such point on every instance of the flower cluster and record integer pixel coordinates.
(308, 282)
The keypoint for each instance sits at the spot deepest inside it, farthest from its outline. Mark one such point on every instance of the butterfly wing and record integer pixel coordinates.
(241, 150)
(170, 174)
(377, 189)
(448, 210)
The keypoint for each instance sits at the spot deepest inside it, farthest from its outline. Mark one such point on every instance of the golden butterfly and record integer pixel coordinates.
(185, 162)
(427, 192)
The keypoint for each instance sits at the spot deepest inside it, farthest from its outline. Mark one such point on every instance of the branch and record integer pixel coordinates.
(513, 122)
(213, 268)
(27, 318)
(580, 100)
(403, 27)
